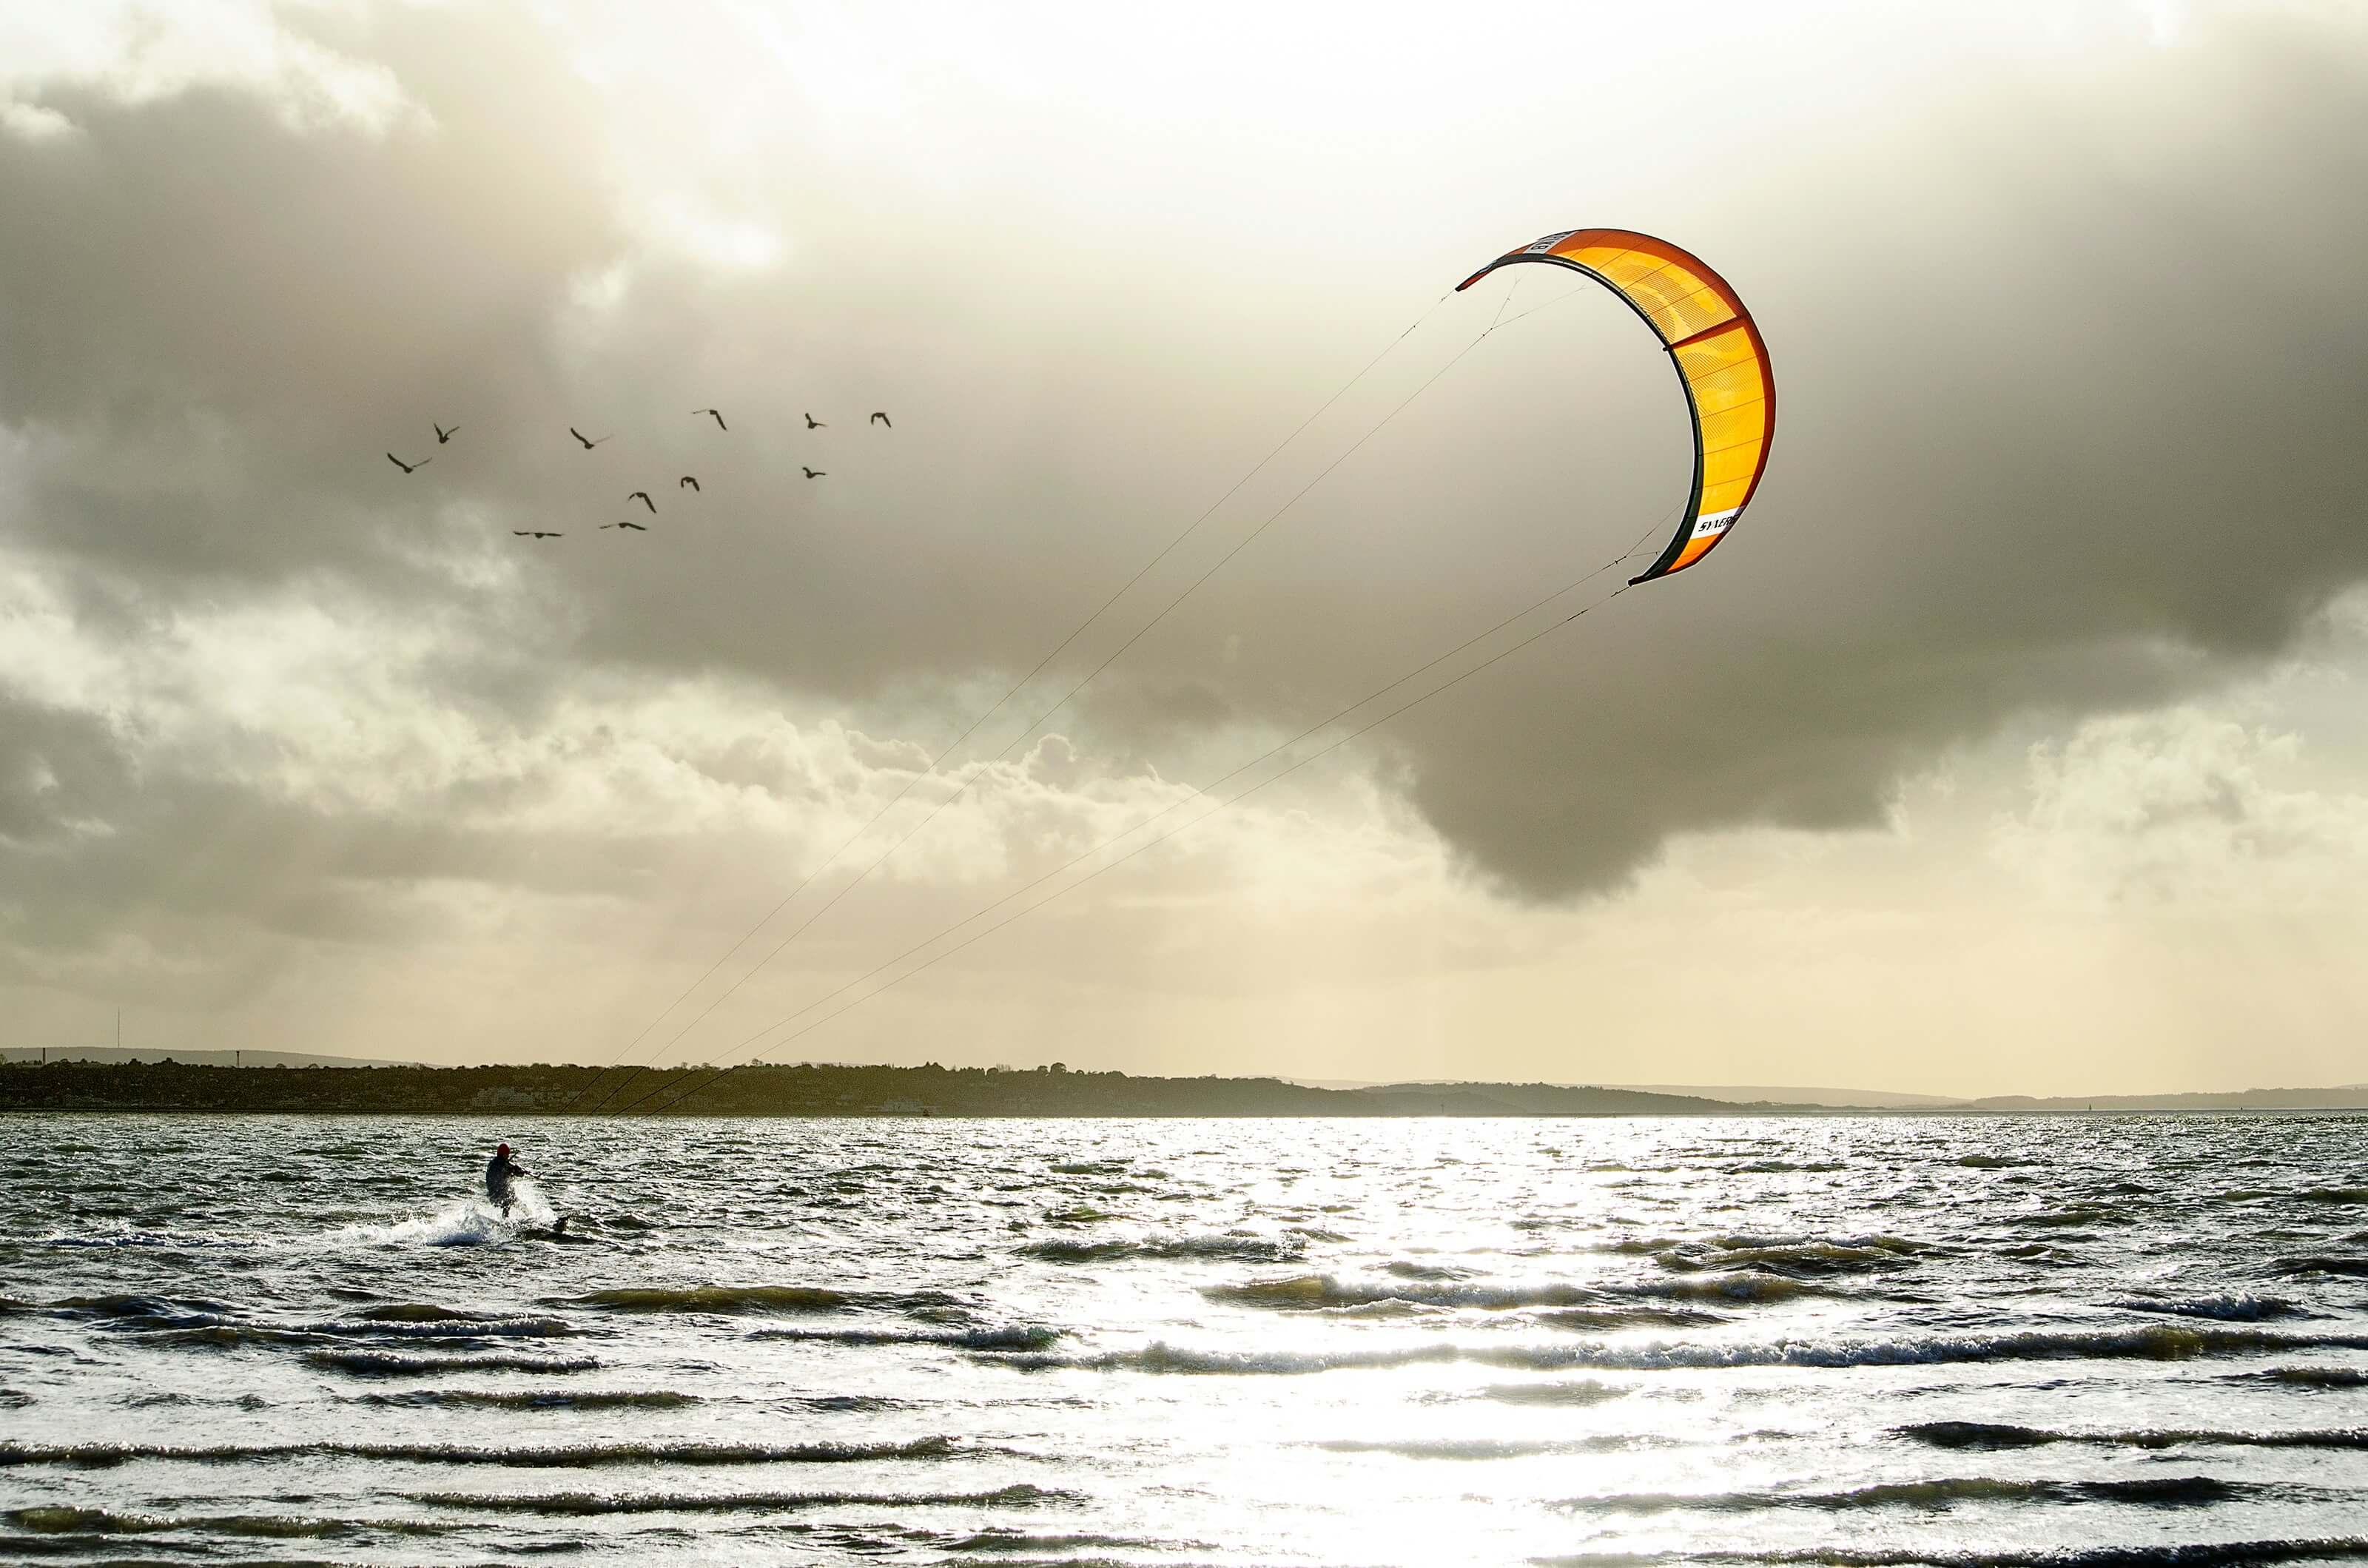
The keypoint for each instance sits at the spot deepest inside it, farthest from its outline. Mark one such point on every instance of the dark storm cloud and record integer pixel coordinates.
(2069, 396)
(56, 766)
(217, 322)
(2069, 405)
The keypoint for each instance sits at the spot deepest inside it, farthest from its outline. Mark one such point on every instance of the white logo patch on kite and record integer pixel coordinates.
(1544, 245)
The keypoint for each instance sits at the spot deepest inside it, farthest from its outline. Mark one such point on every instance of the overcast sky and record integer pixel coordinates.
(2013, 742)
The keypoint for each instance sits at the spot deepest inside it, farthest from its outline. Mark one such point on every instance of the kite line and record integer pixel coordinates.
(1089, 676)
(1204, 791)
(999, 704)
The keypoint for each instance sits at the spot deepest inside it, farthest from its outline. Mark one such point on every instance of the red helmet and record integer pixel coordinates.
(502, 1149)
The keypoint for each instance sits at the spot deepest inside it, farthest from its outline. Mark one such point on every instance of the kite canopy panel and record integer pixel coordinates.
(1719, 357)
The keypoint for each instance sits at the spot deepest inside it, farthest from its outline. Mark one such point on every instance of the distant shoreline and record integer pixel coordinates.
(819, 1090)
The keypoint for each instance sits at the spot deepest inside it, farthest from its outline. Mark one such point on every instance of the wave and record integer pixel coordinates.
(2172, 1491)
(1797, 1258)
(2319, 1377)
(1374, 1311)
(1161, 1356)
(170, 1240)
(2076, 1214)
(415, 1311)
(1489, 1447)
(447, 1329)
(844, 1403)
(1009, 1542)
(1018, 1337)
(1988, 1435)
(2183, 1554)
(136, 1312)
(456, 1225)
(1312, 1290)
(226, 1336)
(59, 1519)
(1407, 1269)
(2236, 1307)
(1020, 1496)
(171, 1399)
(2353, 1266)
(531, 1399)
(570, 1456)
(1558, 1394)
(722, 1299)
(2155, 1342)
(1745, 1285)
(1244, 1249)
(394, 1364)
(1613, 1320)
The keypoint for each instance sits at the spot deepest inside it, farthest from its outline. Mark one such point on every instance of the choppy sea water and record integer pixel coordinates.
(2109, 1340)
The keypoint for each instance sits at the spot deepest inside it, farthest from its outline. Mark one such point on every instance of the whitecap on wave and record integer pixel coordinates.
(472, 1221)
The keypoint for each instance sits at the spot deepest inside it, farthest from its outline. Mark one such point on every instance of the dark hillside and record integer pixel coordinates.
(805, 1090)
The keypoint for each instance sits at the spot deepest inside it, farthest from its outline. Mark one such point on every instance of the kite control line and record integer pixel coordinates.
(999, 704)
(1206, 792)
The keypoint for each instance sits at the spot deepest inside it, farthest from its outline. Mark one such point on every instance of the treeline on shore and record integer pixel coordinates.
(810, 1089)
(830, 1089)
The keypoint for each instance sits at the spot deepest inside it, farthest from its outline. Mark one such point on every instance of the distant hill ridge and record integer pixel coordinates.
(224, 1057)
(810, 1089)
(286, 1082)
(2342, 1097)
(1732, 1094)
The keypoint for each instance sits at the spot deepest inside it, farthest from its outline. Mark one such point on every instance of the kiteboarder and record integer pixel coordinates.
(498, 1172)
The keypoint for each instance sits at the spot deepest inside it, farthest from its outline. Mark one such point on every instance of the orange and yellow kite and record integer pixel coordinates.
(1719, 357)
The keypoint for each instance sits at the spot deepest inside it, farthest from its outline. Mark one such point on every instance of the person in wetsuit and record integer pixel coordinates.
(498, 1172)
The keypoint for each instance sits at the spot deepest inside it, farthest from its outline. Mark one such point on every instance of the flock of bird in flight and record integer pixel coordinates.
(688, 482)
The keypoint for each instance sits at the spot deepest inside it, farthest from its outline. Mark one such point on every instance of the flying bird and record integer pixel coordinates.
(719, 418)
(637, 527)
(588, 442)
(814, 424)
(408, 467)
(537, 533)
(442, 434)
(883, 419)
(686, 479)
(814, 473)
(644, 497)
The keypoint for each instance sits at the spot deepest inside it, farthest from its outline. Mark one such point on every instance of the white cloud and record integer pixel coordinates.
(34, 122)
(2187, 810)
(322, 697)
(139, 52)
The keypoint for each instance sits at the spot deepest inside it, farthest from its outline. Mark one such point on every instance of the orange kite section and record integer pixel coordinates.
(1720, 359)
